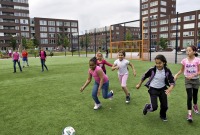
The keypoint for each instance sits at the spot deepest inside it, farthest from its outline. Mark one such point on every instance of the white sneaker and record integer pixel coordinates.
(97, 106)
(112, 95)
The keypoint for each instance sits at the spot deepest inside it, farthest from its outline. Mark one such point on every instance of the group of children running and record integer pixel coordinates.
(160, 83)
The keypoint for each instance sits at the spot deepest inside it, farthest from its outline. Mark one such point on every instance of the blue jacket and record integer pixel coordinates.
(169, 79)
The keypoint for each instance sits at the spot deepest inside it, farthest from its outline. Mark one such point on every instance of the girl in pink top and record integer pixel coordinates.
(101, 83)
(43, 59)
(191, 69)
(16, 60)
(101, 62)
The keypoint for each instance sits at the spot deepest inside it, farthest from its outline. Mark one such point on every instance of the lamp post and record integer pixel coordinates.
(86, 42)
(176, 38)
(150, 37)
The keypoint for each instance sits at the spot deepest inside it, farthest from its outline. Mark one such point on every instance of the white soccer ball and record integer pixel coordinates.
(68, 131)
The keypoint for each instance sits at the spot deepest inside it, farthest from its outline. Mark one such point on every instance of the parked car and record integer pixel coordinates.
(153, 49)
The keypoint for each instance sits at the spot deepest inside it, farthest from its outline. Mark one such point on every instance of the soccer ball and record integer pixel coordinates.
(68, 131)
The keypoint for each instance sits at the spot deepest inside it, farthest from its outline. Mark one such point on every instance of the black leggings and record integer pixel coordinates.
(191, 93)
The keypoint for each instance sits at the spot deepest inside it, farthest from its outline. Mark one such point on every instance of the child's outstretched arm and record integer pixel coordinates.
(86, 83)
(114, 66)
(134, 72)
(179, 72)
(139, 84)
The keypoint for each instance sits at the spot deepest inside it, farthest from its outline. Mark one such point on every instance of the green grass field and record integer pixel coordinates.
(36, 103)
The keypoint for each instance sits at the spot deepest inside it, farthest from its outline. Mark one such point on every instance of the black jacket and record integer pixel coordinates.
(169, 79)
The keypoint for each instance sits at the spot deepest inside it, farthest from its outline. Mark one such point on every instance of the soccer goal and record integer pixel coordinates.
(127, 36)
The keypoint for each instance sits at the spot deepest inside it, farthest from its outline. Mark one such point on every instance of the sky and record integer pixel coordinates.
(96, 13)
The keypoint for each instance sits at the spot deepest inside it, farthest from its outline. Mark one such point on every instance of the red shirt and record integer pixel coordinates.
(24, 54)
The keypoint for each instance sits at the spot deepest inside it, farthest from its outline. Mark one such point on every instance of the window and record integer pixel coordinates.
(74, 30)
(163, 22)
(163, 10)
(66, 23)
(189, 18)
(188, 33)
(43, 35)
(188, 26)
(44, 41)
(173, 20)
(43, 28)
(25, 34)
(144, 6)
(43, 22)
(144, 1)
(163, 28)
(165, 35)
(174, 34)
(155, 3)
(24, 28)
(23, 21)
(74, 24)
(59, 23)
(52, 35)
(51, 23)
(153, 10)
(145, 12)
(154, 30)
(52, 41)
(173, 27)
(164, 3)
(52, 29)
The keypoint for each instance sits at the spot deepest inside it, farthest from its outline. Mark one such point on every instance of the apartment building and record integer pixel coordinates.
(161, 20)
(48, 31)
(14, 21)
(100, 37)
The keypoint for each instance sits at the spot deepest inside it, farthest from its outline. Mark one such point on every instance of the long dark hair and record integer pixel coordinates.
(162, 58)
(94, 60)
(194, 48)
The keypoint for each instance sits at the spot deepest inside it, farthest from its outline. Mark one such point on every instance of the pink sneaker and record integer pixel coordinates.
(196, 110)
(189, 118)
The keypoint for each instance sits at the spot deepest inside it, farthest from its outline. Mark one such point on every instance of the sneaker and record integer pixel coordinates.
(146, 107)
(112, 95)
(163, 118)
(196, 110)
(97, 106)
(128, 98)
(189, 118)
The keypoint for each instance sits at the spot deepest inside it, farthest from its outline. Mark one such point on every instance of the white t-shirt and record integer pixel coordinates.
(123, 66)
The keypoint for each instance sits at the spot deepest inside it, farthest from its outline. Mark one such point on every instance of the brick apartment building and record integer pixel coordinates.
(163, 18)
(15, 22)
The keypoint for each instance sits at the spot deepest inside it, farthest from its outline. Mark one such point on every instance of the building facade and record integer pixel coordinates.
(162, 21)
(16, 23)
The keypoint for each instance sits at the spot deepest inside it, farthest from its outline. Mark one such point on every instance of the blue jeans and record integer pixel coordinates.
(14, 65)
(104, 89)
(43, 64)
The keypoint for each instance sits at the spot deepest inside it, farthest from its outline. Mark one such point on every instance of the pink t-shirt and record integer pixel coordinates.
(191, 67)
(15, 56)
(42, 55)
(95, 75)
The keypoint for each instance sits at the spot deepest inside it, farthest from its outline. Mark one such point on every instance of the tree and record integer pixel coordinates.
(66, 43)
(24, 44)
(13, 42)
(129, 36)
(163, 43)
(36, 42)
(29, 44)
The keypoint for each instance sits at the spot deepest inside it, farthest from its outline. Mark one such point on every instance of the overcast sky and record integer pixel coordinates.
(96, 13)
